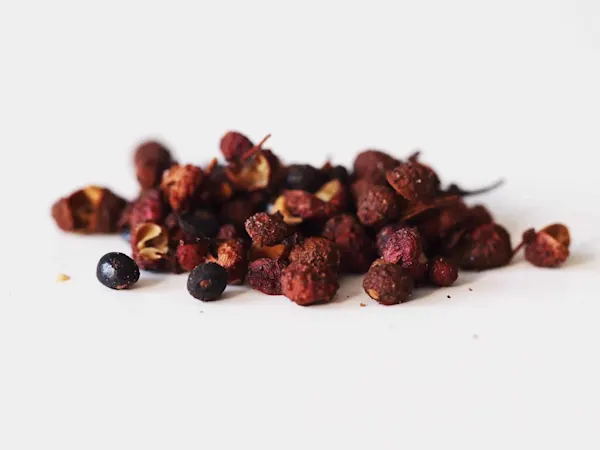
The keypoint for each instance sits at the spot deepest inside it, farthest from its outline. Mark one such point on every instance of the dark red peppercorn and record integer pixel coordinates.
(180, 184)
(149, 207)
(267, 229)
(548, 247)
(232, 255)
(306, 285)
(234, 145)
(316, 251)
(442, 272)
(372, 165)
(189, 255)
(388, 284)
(357, 250)
(403, 247)
(151, 160)
(377, 205)
(264, 275)
(414, 181)
(89, 210)
(485, 247)
(385, 233)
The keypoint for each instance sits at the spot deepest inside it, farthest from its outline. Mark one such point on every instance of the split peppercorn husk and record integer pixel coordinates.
(295, 230)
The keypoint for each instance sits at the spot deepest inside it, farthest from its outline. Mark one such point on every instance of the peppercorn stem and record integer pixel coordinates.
(257, 148)
(454, 189)
(517, 249)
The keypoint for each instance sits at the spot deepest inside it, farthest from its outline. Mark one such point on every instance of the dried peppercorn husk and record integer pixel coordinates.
(316, 251)
(232, 255)
(357, 250)
(279, 206)
(329, 200)
(264, 275)
(92, 209)
(306, 285)
(150, 247)
(548, 247)
(388, 284)
(180, 184)
(485, 247)
(255, 170)
(151, 160)
(414, 181)
(149, 207)
(372, 165)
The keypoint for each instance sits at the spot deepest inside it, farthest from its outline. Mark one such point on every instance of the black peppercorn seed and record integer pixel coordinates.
(117, 271)
(304, 177)
(199, 224)
(207, 282)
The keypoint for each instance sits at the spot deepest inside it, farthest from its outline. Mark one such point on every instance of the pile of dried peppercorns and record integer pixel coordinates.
(293, 230)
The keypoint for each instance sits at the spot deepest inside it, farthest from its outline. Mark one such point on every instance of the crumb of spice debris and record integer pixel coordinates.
(62, 278)
(362, 305)
(448, 296)
(293, 229)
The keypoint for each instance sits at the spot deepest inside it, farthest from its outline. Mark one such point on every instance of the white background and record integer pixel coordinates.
(487, 89)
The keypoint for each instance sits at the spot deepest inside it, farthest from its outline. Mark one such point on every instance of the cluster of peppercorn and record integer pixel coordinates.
(293, 230)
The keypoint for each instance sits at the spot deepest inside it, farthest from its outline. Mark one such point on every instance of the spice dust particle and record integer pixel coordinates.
(448, 296)
(471, 289)
(362, 305)
(61, 278)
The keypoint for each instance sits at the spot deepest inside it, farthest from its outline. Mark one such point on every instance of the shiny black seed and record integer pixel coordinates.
(117, 271)
(199, 224)
(304, 177)
(207, 282)
(340, 173)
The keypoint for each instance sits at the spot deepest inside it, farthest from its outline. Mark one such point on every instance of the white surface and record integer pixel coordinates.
(485, 89)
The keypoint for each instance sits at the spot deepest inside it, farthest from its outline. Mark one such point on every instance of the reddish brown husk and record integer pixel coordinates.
(151, 159)
(149, 207)
(150, 247)
(267, 229)
(306, 285)
(234, 145)
(372, 165)
(388, 284)
(403, 247)
(180, 184)
(232, 255)
(442, 271)
(485, 247)
(264, 275)
(89, 210)
(190, 255)
(377, 205)
(318, 252)
(415, 182)
(548, 247)
(328, 201)
(357, 250)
